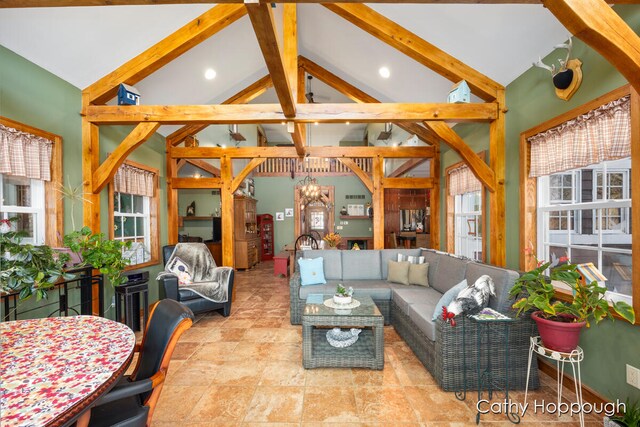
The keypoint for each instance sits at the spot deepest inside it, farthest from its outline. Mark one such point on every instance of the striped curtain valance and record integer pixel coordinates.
(462, 180)
(132, 180)
(601, 134)
(25, 154)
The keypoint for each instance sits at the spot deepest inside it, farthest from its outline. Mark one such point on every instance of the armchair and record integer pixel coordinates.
(169, 289)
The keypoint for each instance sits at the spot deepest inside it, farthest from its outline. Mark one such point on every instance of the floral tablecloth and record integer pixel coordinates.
(47, 366)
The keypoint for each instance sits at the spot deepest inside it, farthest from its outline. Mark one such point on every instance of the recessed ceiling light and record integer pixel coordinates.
(348, 123)
(210, 74)
(315, 123)
(283, 123)
(385, 73)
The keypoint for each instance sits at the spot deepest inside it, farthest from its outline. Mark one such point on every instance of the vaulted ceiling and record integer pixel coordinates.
(82, 44)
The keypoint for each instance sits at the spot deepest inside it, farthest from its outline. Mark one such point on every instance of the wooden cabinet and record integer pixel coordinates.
(265, 230)
(247, 241)
(396, 200)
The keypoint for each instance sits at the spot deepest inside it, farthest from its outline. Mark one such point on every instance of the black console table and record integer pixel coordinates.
(82, 284)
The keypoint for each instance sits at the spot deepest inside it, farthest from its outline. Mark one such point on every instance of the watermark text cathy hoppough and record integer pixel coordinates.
(544, 407)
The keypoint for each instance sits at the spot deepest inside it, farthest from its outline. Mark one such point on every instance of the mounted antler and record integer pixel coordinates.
(568, 45)
(540, 64)
(562, 76)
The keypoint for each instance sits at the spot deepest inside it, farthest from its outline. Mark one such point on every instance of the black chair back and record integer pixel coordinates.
(166, 317)
(304, 240)
(166, 253)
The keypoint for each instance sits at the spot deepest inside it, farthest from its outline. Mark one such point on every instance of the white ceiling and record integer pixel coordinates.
(80, 45)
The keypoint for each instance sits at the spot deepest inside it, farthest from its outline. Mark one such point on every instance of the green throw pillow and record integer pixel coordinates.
(398, 272)
(418, 274)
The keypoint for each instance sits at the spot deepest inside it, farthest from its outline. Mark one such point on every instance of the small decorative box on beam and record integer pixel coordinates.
(459, 94)
(128, 95)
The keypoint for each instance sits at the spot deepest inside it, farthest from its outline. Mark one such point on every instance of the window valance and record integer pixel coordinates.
(25, 154)
(601, 134)
(462, 180)
(132, 180)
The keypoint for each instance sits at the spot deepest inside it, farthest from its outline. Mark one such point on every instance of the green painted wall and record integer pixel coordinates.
(274, 194)
(32, 95)
(531, 101)
(206, 205)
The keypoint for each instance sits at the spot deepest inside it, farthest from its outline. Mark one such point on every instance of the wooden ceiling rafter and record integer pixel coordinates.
(306, 113)
(406, 167)
(163, 52)
(245, 96)
(357, 170)
(600, 27)
(290, 152)
(201, 164)
(403, 40)
(360, 96)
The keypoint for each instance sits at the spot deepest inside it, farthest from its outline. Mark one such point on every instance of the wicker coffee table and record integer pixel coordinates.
(317, 319)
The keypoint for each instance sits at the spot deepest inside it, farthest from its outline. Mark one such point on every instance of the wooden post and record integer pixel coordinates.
(226, 196)
(172, 197)
(497, 206)
(635, 193)
(378, 202)
(434, 202)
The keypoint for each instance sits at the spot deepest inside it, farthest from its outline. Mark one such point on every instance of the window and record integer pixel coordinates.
(468, 225)
(133, 213)
(592, 224)
(29, 182)
(24, 198)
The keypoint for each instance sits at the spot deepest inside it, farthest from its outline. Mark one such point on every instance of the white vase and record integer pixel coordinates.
(341, 300)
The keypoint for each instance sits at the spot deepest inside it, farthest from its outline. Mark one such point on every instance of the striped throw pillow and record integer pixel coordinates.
(412, 259)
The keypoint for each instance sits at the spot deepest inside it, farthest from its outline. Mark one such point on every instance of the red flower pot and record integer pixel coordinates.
(559, 336)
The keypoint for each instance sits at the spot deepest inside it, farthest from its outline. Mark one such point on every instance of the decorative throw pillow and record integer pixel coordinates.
(412, 259)
(447, 297)
(311, 271)
(180, 269)
(418, 274)
(473, 298)
(398, 272)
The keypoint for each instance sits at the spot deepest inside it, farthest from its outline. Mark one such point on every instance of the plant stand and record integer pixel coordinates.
(575, 357)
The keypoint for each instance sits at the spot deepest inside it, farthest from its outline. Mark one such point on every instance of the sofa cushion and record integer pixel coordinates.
(311, 271)
(187, 294)
(392, 254)
(332, 262)
(419, 274)
(503, 280)
(420, 315)
(361, 265)
(433, 259)
(398, 272)
(450, 271)
(376, 289)
(447, 297)
(404, 296)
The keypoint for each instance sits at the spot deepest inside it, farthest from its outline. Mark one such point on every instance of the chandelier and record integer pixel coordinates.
(309, 189)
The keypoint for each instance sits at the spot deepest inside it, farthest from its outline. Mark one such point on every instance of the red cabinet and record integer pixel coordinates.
(265, 230)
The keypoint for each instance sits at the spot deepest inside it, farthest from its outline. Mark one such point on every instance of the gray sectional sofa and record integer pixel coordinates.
(410, 308)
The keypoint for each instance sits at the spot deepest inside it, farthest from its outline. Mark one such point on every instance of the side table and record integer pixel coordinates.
(492, 329)
(131, 295)
(575, 357)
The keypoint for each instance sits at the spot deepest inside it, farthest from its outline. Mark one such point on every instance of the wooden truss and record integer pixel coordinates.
(591, 20)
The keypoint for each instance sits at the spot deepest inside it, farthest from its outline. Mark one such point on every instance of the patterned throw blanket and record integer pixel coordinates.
(196, 270)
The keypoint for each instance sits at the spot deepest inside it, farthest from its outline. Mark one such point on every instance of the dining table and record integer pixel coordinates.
(53, 370)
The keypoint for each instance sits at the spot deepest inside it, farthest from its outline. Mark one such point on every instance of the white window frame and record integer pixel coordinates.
(545, 207)
(605, 191)
(146, 235)
(458, 214)
(37, 209)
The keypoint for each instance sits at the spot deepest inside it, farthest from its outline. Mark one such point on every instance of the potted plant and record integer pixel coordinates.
(332, 239)
(630, 418)
(559, 322)
(343, 295)
(102, 254)
(28, 269)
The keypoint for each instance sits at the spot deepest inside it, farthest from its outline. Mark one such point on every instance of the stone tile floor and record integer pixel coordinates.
(246, 370)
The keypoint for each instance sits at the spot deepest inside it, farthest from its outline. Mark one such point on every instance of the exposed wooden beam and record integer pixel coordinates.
(406, 167)
(416, 48)
(90, 162)
(164, 51)
(434, 202)
(65, 3)
(138, 136)
(207, 167)
(245, 96)
(480, 169)
(359, 96)
(357, 170)
(177, 183)
(237, 180)
(635, 192)
(306, 113)
(227, 202)
(264, 26)
(407, 183)
(290, 57)
(172, 196)
(377, 202)
(497, 202)
(290, 152)
(600, 27)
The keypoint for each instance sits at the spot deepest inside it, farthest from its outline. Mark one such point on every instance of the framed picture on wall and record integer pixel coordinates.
(279, 216)
(288, 212)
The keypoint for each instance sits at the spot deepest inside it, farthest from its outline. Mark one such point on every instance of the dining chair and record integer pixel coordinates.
(304, 242)
(132, 401)
(394, 240)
